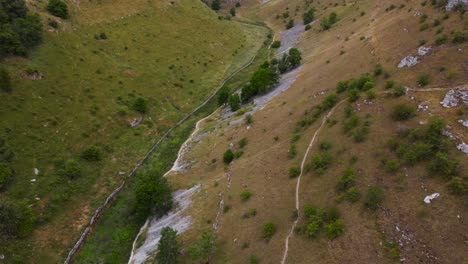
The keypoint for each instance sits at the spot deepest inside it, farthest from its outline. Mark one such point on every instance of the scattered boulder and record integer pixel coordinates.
(452, 3)
(463, 122)
(455, 96)
(463, 147)
(422, 51)
(428, 198)
(408, 61)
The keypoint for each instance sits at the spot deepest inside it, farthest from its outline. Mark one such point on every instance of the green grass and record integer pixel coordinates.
(160, 54)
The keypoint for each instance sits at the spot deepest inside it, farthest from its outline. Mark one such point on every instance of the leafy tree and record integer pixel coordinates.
(153, 194)
(334, 229)
(276, 44)
(11, 10)
(92, 153)
(374, 197)
(168, 247)
(16, 219)
(223, 95)
(58, 8)
(216, 5)
(294, 172)
(29, 30)
(5, 83)
(346, 181)
(5, 174)
(234, 102)
(10, 42)
(329, 102)
(308, 16)
(141, 105)
(72, 169)
(403, 112)
(203, 248)
(232, 11)
(294, 57)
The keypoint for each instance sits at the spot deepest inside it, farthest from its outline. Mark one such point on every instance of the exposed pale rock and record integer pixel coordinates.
(452, 3)
(428, 198)
(455, 97)
(422, 51)
(463, 122)
(408, 61)
(463, 147)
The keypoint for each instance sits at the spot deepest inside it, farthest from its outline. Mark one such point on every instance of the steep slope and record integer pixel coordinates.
(364, 135)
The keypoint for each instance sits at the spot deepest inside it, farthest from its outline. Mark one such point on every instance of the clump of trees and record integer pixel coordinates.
(262, 80)
(327, 22)
(16, 219)
(318, 220)
(58, 8)
(19, 30)
(216, 5)
(308, 16)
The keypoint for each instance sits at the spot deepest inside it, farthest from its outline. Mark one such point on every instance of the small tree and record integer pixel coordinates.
(92, 153)
(203, 248)
(141, 105)
(72, 169)
(290, 24)
(153, 194)
(245, 195)
(335, 229)
(276, 44)
(16, 219)
(232, 11)
(58, 8)
(308, 16)
(234, 102)
(223, 95)
(294, 58)
(403, 112)
(168, 247)
(216, 5)
(5, 83)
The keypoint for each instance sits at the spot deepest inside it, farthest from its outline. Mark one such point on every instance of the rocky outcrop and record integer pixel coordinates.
(452, 3)
(456, 96)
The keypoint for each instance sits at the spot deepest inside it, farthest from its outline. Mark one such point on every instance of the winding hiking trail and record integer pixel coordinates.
(298, 184)
(311, 144)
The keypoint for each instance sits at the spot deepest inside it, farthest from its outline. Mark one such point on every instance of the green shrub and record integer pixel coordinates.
(312, 229)
(443, 166)
(248, 119)
(16, 219)
(423, 79)
(72, 169)
(341, 86)
(309, 16)
(320, 162)
(58, 8)
(253, 259)
(459, 37)
(346, 181)
(325, 145)
(245, 195)
(232, 11)
(5, 82)
(276, 44)
(374, 197)
(223, 95)
(228, 156)
(368, 85)
(334, 229)
(140, 105)
(292, 152)
(353, 195)
(398, 90)
(269, 229)
(243, 142)
(294, 172)
(5, 175)
(92, 153)
(456, 186)
(389, 84)
(378, 70)
(441, 40)
(371, 94)
(250, 213)
(290, 24)
(353, 95)
(307, 27)
(403, 112)
(153, 195)
(328, 102)
(392, 165)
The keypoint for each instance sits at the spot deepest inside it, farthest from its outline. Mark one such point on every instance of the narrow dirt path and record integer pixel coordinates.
(298, 184)
(311, 144)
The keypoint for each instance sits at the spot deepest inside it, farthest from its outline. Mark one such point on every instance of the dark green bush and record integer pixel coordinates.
(292, 152)
(58, 8)
(403, 112)
(456, 186)
(459, 37)
(443, 166)
(321, 162)
(294, 172)
(140, 105)
(245, 195)
(234, 102)
(5, 175)
(5, 83)
(353, 95)
(202, 250)
(276, 44)
(334, 229)
(392, 165)
(92, 153)
(353, 195)
(290, 24)
(228, 156)
(168, 247)
(16, 219)
(243, 142)
(153, 194)
(346, 181)
(308, 16)
(441, 40)
(423, 79)
(374, 197)
(398, 90)
(325, 145)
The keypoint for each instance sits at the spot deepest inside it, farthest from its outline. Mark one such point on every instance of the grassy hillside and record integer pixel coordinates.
(92, 71)
(364, 135)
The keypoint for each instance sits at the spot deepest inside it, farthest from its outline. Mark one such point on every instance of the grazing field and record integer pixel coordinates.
(93, 70)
